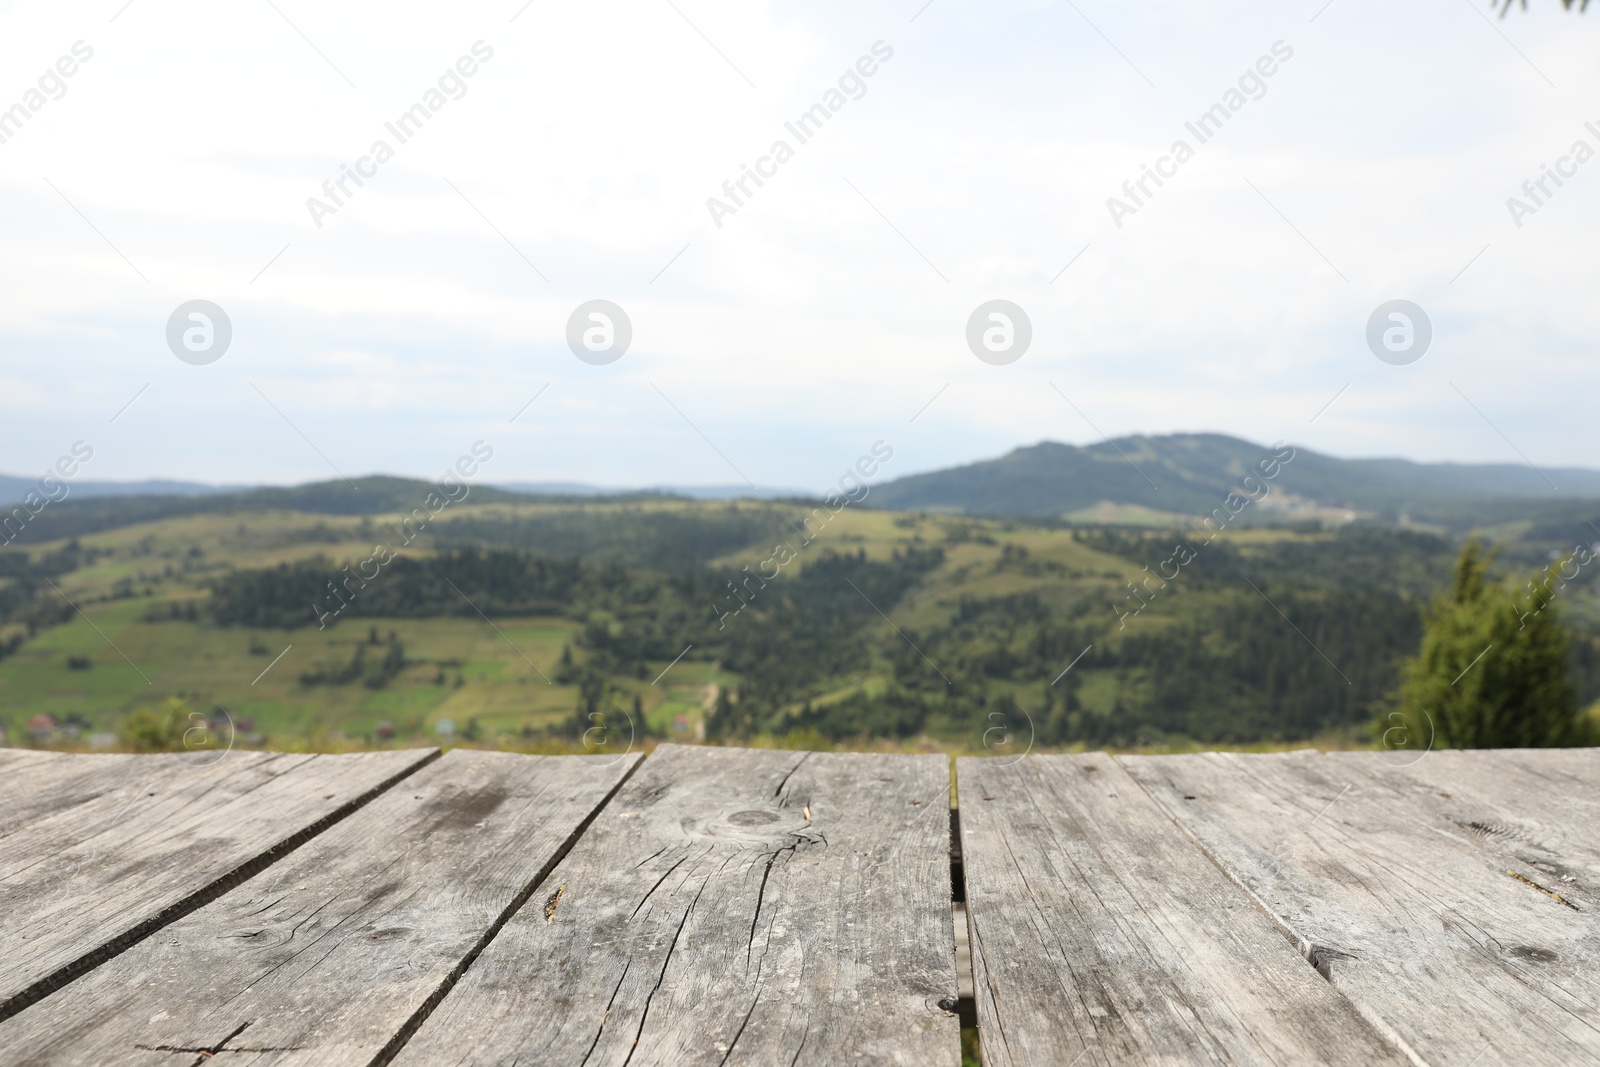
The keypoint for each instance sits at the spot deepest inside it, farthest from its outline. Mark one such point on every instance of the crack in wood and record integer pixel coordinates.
(786, 777)
(650, 857)
(207, 1052)
(1552, 894)
(645, 1014)
(606, 1017)
(663, 878)
(761, 893)
(1321, 957)
(740, 1032)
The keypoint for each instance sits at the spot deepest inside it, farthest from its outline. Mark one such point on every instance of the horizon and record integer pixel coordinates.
(556, 486)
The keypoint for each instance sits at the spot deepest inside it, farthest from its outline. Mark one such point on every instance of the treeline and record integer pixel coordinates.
(1358, 558)
(1241, 671)
(374, 495)
(631, 616)
(1224, 668)
(25, 593)
(794, 636)
(1213, 659)
(655, 538)
(786, 636)
(461, 582)
(1234, 671)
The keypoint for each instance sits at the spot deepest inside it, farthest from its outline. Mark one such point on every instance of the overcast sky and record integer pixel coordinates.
(831, 307)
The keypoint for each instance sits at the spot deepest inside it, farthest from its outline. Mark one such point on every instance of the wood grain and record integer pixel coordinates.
(328, 954)
(729, 907)
(1536, 810)
(36, 785)
(111, 857)
(1394, 881)
(1101, 934)
(12, 759)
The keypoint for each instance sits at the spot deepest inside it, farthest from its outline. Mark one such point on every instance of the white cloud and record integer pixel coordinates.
(806, 326)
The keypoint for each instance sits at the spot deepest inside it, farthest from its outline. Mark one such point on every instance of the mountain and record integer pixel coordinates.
(1190, 474)
(1152, 481)
(14, 490)
(82, 513)
(690, 492)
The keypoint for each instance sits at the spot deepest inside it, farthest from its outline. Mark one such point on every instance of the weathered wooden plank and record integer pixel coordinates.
(13, 759)
(729, 907)
(1101, 934)
(153, 837)
(1378, 874)
(327, 955)
(1535, 808)
(34, 785)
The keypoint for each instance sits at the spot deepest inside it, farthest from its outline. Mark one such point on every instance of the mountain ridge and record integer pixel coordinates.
(1138, 479)
(1190, 474)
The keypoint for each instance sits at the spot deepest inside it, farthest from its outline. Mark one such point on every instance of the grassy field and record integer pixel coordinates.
(494, 680)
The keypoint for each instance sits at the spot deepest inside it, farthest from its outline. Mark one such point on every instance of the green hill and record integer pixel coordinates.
(1190, 474)
(373, 495)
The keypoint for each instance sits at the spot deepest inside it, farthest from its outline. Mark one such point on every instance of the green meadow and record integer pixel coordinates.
(494, 674)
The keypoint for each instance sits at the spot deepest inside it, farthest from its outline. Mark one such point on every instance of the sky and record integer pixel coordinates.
(776, 337)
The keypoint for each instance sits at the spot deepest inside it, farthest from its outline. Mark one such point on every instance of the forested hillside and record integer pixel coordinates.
(520, 624)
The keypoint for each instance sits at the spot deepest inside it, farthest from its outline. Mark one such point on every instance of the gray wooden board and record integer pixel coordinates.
(1101, 934)
(147, 838)
(1377, 871)
(14, 756)
(35, 785)
(1538, 810)
(325, 956)
(729, 907)
(15, 759)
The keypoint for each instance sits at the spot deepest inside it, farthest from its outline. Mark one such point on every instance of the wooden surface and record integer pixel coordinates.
(1394, 881)
(1102, 934)
(35, 785)
(118, 846)
(721, 906)
(327, 955)
(730, 907)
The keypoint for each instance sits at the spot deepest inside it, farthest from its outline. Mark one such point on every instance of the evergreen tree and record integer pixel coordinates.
(728, 720)
(1491, 672)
